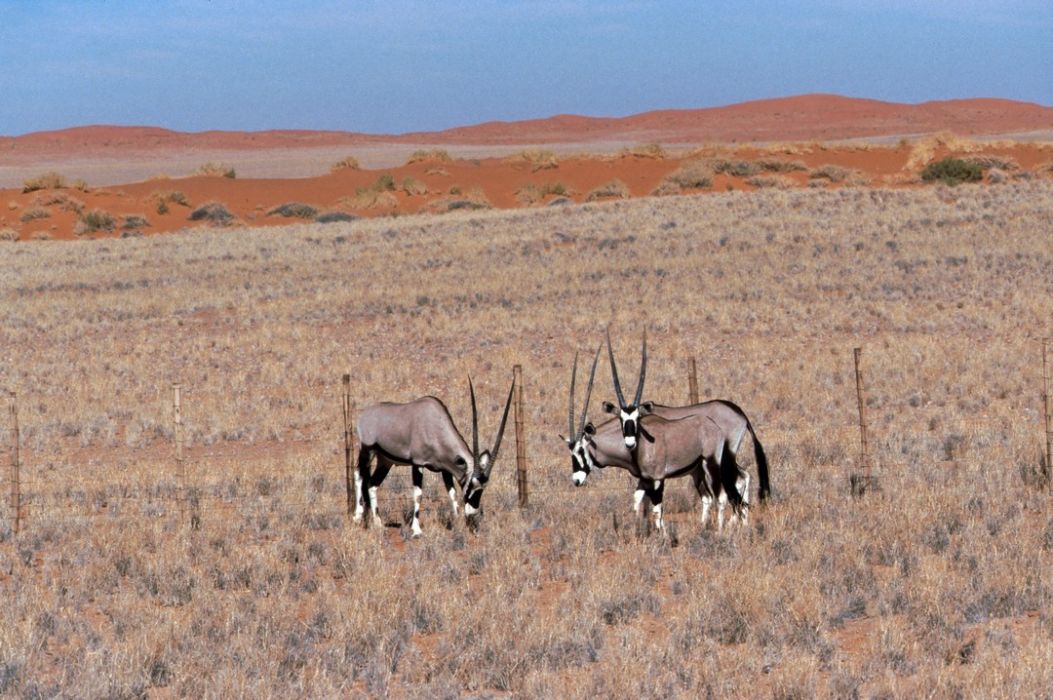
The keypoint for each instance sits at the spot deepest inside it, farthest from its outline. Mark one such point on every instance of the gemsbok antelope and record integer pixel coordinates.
(597, 448)
(422, 435)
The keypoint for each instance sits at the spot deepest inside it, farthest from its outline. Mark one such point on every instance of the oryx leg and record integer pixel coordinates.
(742, 485)
(447, 481)
(705, 491)
(638, 494)
(361, 478)
(379, 474)
(418, 489)
(656, 504)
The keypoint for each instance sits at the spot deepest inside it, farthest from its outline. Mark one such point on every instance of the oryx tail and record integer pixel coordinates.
(758, 451)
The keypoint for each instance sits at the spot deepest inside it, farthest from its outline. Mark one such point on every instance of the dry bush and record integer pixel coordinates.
(736, 168)
(776, 165)
(615, 189)
(46, 181)
(214, 169)
(776, 181)
(332, 217)
(536, 193)
(346, 163)
(34, 213)
(134, 222)
(414, 187)
(434, 155)
(534, 159)
(214, 213)
(294, 210)
(839, 175)
(8, 234)
(694, 174)
(94, 221)
(653, 151)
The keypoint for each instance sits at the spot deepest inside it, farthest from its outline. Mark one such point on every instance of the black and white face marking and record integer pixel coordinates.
(581, 463)
(630, 420)
(473, 490)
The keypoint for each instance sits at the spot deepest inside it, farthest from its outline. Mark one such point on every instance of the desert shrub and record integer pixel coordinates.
(41, 236)
(535, 159)
(692, 175)
(736, 168)
(212, 212)
(435, 155)
(615, 189)
(47, 181)
(80, 185)
(134, 221)
(35, 213)
(296, 210)
(836, 173)
(345, 163)
(775, 165)
(8, 234)
(331, 217)
(93, 222)
(532, 194)
(764, 181)
(210, 168)
(986, 162)
(646, 150)
(413, 186)
(952, 171)
(164, 197)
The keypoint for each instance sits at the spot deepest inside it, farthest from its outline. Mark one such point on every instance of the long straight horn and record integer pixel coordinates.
(588, 393)
(501, 428)
(475, 422)
(614, 372)
(643, 370)
(573, 376)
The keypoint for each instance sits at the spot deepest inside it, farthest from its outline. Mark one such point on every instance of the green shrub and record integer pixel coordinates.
(953, 171)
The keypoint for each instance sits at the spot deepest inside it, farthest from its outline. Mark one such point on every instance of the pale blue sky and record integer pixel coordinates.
(405, 65)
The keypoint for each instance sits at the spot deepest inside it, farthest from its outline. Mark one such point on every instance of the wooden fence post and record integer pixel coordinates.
(1046, 408)
(346, 408)
(16, 483)
(862, 483)
(177, 417)
(521, 466)
(692, 382)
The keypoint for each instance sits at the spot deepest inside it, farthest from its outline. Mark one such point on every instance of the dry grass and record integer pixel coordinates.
(534, 160)
(34, 213)
(615, 189)
(935, 586)
(214, 169)
(435, 155)
(8, 234)
(346, 163)
(46, 181)
(653, 151)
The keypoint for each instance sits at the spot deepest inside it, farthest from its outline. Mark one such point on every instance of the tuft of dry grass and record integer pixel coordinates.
(94, 221)
(294, 210)
(614, 189)
(414, 187)
(535, 160)
(839, 175)
(46, 181)
(345, 163)
(8, 234)
(693, 174)
(214, 213)
(532, 193)
(653, 151)
(214, 169)
(776, 181)
(434, 155)
(34, 213)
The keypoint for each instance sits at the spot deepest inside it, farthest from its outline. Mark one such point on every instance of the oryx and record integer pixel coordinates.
(421, 434)
(593, 447)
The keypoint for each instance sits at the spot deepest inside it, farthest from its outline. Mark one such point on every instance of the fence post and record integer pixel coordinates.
(346, 408)
(862, 483)
(521, 466)
(16, 483)
(1046, 408)
(177, 416)
(692, 381)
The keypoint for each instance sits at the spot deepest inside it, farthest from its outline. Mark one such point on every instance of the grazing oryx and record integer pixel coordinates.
(592, 447)
(421, 434)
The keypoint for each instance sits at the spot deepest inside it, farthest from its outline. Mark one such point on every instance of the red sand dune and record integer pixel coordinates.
(806, 117)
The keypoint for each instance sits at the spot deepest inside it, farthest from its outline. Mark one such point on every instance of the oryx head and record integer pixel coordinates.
(579, 441)
(483, 461)
(628, 414)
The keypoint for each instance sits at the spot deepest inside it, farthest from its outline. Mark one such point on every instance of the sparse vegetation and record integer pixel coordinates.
(646, 150)
(615, 189)
(536, 193)
(346, 163)
(8, 234)
(213, 213)
(838, 174)
(216, 169)
(296, 210)
(134, 222)
(47, 181)
(94, 221)
(776, 181)
(692, 175)
(34, 213)
(953, 171)
(164, 197)
(331, 217)
(435, 155)
(414, 187)
(535, 160)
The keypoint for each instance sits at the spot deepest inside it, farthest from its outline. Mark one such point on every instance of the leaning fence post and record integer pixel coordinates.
(860, 484)
(16, 484)
(346, 408)
(521, 467)
(1046, 408)
(692, 382)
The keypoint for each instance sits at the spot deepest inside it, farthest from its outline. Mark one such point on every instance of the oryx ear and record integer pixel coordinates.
(608, 407)
(590, 429)
(647, 407)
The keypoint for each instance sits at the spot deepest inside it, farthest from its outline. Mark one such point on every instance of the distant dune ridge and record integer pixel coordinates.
(803, 117)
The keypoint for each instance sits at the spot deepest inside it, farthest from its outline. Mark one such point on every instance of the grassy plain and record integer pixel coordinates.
(936, 584)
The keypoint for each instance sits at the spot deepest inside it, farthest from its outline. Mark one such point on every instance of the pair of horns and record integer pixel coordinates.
(475, 423)
(614, 372)
(588, 393)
